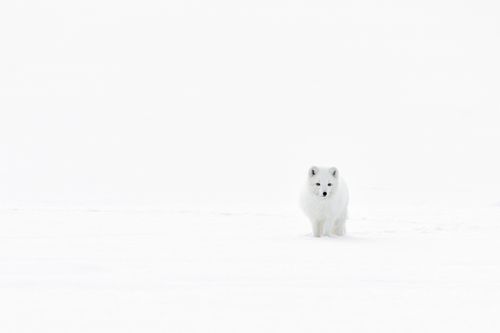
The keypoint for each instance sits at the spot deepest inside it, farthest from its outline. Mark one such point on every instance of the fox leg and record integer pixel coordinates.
(339, 229)
(339, 226)
(329, 228)
(317, 228)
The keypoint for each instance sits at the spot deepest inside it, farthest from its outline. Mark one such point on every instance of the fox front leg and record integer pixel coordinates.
(317, 227)
(339, 229)
(329, 228)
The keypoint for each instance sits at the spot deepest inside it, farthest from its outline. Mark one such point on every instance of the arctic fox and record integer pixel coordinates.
(324, 200)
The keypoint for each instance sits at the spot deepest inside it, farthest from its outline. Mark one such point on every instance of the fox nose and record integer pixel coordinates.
(324, 194)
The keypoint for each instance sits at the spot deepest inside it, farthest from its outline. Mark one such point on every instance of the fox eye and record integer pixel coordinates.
(329, 184)
(317, 184)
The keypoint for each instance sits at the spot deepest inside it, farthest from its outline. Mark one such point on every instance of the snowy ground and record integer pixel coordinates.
(407, 267)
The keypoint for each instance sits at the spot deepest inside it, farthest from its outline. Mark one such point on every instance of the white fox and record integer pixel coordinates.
(324, 200)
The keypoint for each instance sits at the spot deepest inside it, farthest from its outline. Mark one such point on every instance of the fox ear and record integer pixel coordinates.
(313, 171)
(334, 172)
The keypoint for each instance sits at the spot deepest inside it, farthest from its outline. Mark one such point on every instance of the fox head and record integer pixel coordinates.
(323, 181)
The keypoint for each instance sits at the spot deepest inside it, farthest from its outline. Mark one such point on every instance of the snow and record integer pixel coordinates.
(404, 266)
(152, 154)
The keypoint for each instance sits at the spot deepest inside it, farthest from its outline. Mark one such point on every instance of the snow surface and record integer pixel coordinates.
(152, 153)
(404, 267)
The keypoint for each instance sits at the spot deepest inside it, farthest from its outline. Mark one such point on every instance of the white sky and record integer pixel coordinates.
(164, 103)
